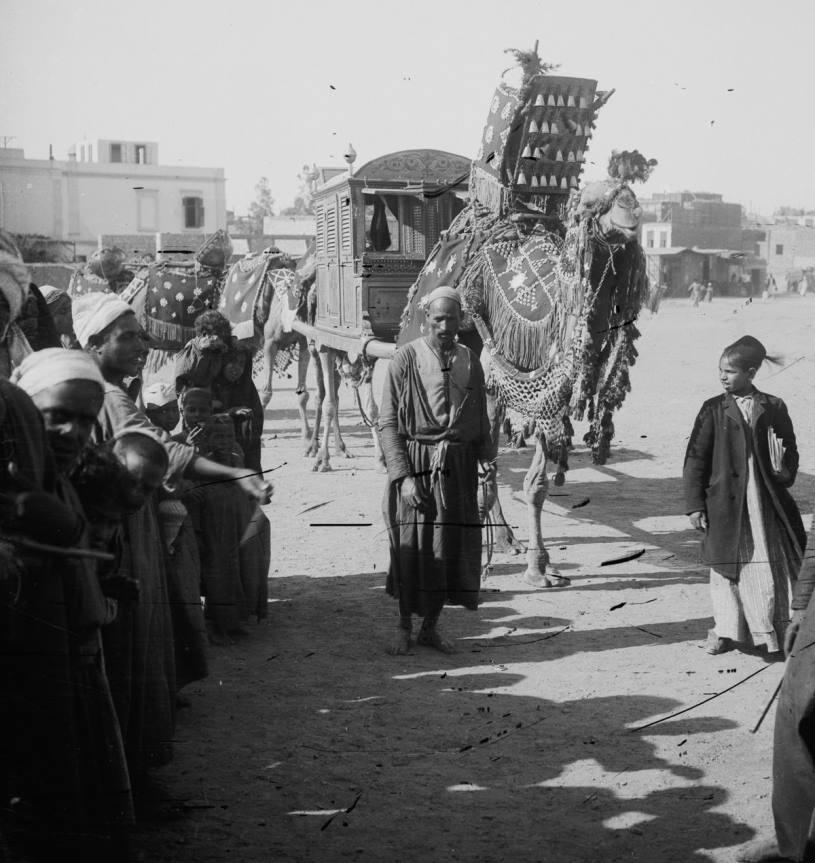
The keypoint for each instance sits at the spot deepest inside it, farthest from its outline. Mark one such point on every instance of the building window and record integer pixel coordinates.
(663, 239)
(141, 154)
(147, 209)
(193, 212)
(115, 152)
(649, 239)
(779, 248)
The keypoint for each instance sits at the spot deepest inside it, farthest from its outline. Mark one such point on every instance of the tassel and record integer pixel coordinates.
(560, 103)
(539, 103)
(527, 153)
(551, 101)
(544, 126)
(533, 127)
(570, 101)
(534, 183)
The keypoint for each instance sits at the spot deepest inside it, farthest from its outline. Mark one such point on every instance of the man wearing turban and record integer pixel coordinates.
(75, 776)
(139, 647)
(435, 431)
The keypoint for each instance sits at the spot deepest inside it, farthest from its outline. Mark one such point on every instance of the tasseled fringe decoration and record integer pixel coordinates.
(486, 189)
(167, 332)
(524, 343)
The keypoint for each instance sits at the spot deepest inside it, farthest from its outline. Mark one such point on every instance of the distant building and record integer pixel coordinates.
(698, 236)
(291, 234)
(790, 252)
(112, 188)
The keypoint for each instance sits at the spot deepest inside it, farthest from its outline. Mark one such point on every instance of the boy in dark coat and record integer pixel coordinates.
(741, 459)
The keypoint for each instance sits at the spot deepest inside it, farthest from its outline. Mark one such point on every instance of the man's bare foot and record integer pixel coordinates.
(430, 637)
(401, 643)
(761, 851)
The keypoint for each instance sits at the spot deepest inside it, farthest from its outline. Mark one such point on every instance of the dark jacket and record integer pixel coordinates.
(715, 474)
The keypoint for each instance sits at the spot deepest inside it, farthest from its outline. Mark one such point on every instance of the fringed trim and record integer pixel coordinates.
(487, 190)
(173, 334)
(526, 343)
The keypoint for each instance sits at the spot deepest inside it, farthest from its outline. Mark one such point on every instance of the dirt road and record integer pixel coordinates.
(309, 743)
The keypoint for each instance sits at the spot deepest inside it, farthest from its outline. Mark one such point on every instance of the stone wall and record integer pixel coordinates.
(134, 245)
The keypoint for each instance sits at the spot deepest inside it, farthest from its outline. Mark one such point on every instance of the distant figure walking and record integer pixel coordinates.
(769, 287)
(741, 459)
(709, 292)
(695, 290)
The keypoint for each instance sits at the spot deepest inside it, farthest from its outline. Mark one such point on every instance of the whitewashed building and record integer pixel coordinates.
(108, 187)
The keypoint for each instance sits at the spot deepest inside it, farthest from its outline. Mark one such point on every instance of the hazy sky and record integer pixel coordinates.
(718, 91)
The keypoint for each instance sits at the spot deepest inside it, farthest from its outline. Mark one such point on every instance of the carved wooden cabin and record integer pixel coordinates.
(375, 229)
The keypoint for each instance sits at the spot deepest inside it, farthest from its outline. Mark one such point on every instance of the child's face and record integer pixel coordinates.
(735, 380)
(220, 442)
(165, 417)
(234, 368)
(197, 410)
(146, 476)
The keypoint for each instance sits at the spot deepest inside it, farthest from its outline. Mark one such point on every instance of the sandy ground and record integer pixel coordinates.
(309, 743)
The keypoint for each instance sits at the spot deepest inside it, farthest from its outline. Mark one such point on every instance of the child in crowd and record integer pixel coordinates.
(740, 461)
(181, 557)
(195, 404)
(236, 394)
(161, 405)
(201, 360)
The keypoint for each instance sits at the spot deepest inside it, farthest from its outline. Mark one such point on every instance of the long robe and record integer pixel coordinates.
(61, 746)
(139, 647)
(755, 538)
(183, 565)
(434, 427)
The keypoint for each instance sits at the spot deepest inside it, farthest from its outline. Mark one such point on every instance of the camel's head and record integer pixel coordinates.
(612, 203)
(621, 221)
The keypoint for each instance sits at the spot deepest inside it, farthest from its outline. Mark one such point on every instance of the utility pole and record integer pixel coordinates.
(5, 140)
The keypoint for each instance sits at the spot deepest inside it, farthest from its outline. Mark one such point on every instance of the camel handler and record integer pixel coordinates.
(435, 432)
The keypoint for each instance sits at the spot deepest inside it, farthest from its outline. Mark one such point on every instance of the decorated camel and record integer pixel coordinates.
(552, 279)
(167, 296)
(263, 295)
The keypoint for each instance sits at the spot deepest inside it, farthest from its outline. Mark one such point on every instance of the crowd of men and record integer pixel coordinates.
(121, 505)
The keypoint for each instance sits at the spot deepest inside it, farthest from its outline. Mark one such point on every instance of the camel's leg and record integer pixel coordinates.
(328, 365)
(303, 357)
(339, 444)
(536, 486)
(314, 444)
(270, 348)
(371, 410)
(503, 538)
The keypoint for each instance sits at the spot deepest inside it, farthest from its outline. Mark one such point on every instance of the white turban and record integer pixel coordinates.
(442, 292)
(158, 394)
(47, 368)
(50, 293)
(93, 312)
